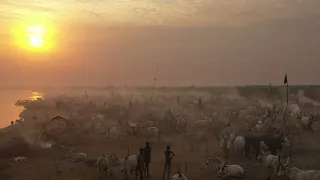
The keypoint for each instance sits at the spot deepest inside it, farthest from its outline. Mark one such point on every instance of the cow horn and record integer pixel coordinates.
(215, 135)
(219, 159)
(287, 163)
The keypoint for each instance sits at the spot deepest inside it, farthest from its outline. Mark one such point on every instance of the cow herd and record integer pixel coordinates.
(250, 131)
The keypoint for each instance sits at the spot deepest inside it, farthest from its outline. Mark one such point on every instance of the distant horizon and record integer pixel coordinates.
(146, 87)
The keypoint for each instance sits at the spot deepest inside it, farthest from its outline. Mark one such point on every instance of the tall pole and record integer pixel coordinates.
(154, 80)
(270, 86)
(287, 91)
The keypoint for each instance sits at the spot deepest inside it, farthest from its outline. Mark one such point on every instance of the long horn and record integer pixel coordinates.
(205, 164)
(179, 171)
(215, 135)
(287, 163)
(219, 159)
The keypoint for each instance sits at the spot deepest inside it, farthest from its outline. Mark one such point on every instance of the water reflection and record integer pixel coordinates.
(8, 110)
(36, 96)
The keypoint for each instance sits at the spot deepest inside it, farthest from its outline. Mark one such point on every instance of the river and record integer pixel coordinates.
(9, 112)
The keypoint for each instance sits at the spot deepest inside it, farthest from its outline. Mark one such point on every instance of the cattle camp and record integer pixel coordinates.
(248, 132)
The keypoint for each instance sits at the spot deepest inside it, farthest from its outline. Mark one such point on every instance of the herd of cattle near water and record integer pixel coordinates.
(262, 129)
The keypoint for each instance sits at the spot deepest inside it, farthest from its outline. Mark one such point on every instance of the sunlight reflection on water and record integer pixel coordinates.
(10, 112)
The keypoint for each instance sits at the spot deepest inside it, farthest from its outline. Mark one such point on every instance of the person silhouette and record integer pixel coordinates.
(147, 159)
(168, 159)
(140, 163)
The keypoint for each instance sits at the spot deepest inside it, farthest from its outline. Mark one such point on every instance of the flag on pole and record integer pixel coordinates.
(285, 79)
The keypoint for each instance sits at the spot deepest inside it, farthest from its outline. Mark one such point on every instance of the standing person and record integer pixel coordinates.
(178, 100)
(147, 158)
(140, 163)
(167, 166)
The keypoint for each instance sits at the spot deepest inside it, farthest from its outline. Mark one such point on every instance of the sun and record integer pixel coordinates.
(36, 36)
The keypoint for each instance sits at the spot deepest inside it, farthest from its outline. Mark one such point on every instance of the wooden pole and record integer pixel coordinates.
(154, 80)
(270, 87)
(287, 91)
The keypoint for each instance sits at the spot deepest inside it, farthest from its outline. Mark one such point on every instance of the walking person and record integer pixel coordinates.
(147, 159)
(140, 163)
(168, 159)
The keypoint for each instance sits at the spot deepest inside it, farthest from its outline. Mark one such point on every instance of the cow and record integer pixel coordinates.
(128, 165)
(179, 175)
(273, 144)
(224, 169)
(294, 173)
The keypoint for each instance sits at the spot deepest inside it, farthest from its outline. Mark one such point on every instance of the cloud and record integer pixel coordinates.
(170, 12)
(29, 6)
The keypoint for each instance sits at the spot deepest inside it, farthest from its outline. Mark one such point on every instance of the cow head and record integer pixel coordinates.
(261, 157)
(221, 168)
(113, 159)
(230, 139)
(282, 168)
(123, 164)
(222, 140)
(286, 142)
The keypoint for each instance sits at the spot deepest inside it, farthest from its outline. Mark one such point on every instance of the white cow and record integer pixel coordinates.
(107, 164)
(295, 173)
(19, 159)
(225, 170)
(269, 160)
(128, 165)
(75, 157)
(238, 145)
(114, 133)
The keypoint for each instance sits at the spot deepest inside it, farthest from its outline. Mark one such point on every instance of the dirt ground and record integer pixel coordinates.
(40, 164)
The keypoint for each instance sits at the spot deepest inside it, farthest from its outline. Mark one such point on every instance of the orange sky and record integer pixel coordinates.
(201, 42)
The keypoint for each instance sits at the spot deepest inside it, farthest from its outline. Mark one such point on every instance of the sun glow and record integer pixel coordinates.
(34, 37)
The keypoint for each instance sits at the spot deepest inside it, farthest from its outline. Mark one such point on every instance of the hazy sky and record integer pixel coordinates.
(200, 42)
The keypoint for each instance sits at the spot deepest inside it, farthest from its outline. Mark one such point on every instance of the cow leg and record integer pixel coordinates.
(101, 174)
(246, 151)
